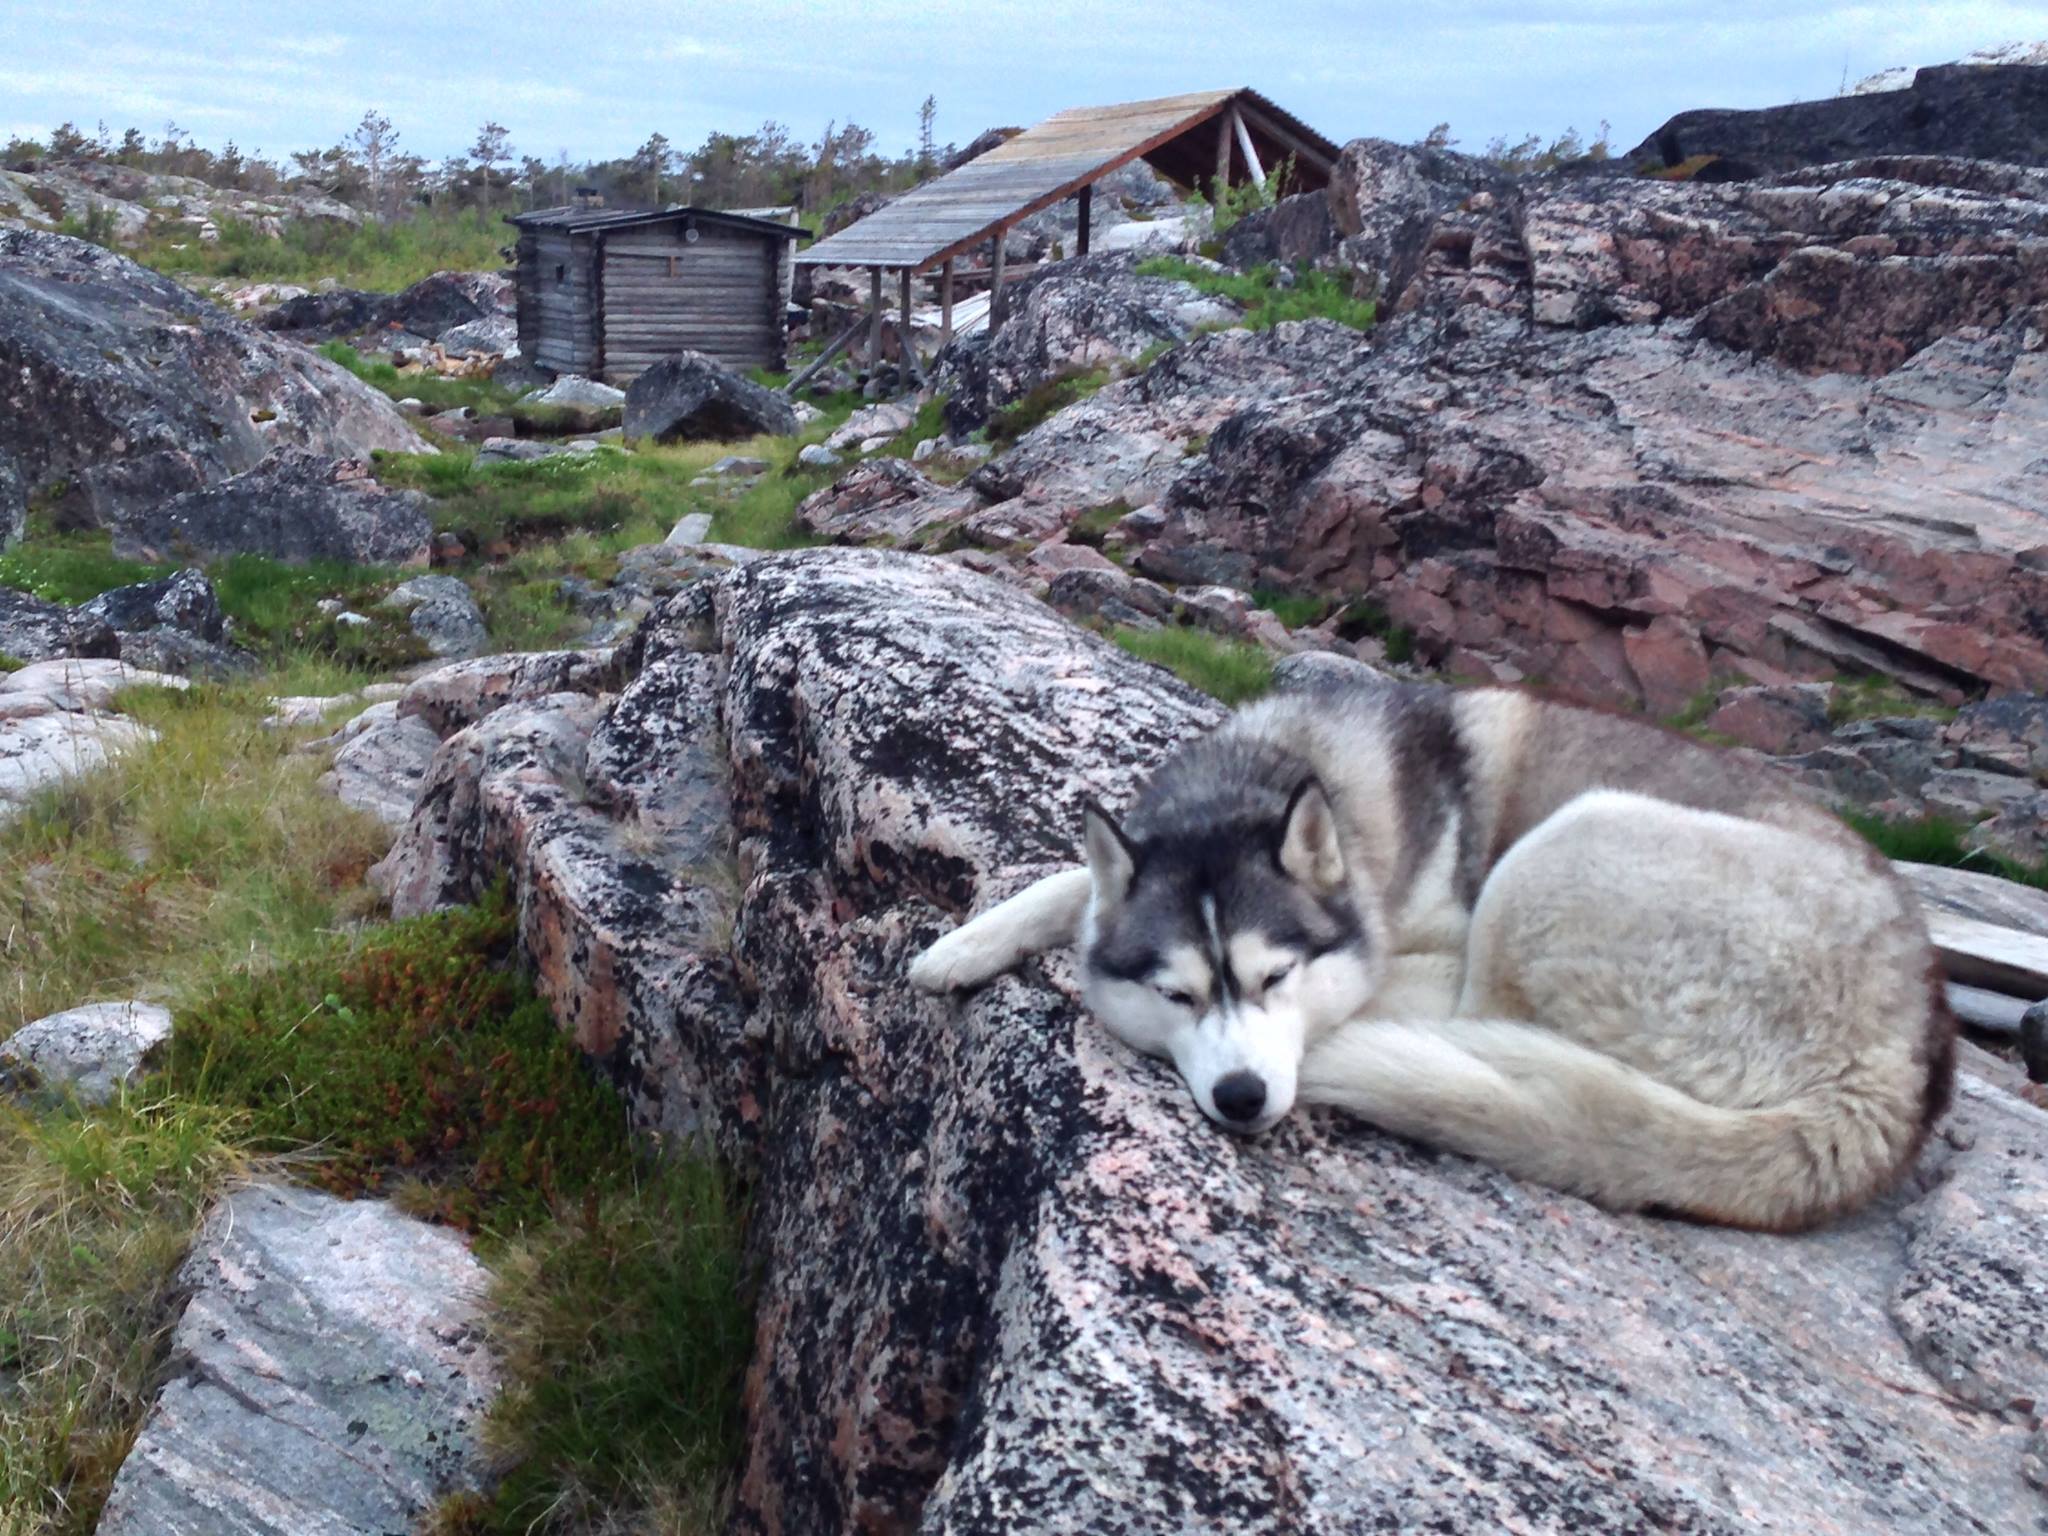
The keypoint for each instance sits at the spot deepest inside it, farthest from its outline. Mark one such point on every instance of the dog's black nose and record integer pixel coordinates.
(1240, 1096)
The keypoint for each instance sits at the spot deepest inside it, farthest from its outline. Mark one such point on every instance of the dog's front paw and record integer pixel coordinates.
(961, 960)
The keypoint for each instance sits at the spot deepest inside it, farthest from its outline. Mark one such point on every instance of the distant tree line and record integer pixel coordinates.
(371, 169)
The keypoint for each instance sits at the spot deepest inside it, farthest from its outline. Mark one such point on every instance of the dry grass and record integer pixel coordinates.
(213, 845)
(96, 1213)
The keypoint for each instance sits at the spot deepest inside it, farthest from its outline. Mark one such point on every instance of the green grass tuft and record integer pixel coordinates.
(628, 1408)
(1042, 402)
(1230, 669)
(1312, 295)
(1294, 609)
(1939, 840)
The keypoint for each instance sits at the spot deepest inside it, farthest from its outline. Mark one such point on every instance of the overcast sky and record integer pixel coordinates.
(595, 79)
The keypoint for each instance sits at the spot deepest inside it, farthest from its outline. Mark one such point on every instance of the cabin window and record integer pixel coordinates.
(561, 272)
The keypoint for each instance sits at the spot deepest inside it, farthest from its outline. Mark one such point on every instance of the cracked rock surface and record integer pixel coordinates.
(1011, 1279)
(326, 1379)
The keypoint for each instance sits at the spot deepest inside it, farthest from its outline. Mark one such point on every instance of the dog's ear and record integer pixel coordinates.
(1112, 861)
(1308, 851)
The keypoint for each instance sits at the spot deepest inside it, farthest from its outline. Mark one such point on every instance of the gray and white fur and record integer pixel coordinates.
(1582, 948)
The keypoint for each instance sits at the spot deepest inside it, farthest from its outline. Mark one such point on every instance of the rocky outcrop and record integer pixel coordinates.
(1070, 318)
(431, 309)
(1996, 112)
(977, 1220)
(1630, 438)
(690, 397)
(134, 203)
(293, 506)
(120, 390)
(882, 499)
(328, 1375)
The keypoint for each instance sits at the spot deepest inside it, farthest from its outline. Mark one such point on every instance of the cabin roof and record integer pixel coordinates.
(577, 221)
(1049, 163)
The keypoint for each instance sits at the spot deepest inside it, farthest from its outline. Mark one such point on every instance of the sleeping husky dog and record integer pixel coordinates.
(1577, 946)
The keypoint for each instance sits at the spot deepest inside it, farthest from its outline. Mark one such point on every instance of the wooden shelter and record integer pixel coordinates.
(606, 292)
(1199, 141)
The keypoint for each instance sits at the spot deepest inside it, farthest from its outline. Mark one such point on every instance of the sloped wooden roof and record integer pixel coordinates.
(577, 220)
(1051, 162)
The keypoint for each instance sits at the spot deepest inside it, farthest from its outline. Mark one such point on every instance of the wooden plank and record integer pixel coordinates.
(1221, 183)
(1981, 954)
(839, 345)
(999, 307)
(1993, 1012)
(1252, 167)
(875, 317)
(1085, 206)
(1304, 152)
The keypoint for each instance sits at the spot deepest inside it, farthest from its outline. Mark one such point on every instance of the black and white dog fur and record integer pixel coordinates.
(1577, 946)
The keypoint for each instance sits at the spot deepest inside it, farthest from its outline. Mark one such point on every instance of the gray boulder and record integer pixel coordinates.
(329, 1375)
(93, 1051)
(1071, 317)
(293, 506)
(33, 629)
(120, 390)
(183, 601)
(574, 389)
(493, 335)
(690, 397)
(442, 612)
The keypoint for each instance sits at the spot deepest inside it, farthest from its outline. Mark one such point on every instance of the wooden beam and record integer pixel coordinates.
(1244, 142)
(874, 317)
(1221, 183)
(945, 301)
(997, 309)
(910, 364)
(1086, 200)
(845, 338)
(1304, 152)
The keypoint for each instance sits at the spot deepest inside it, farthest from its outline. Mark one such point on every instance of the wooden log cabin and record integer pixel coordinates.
(607, 292)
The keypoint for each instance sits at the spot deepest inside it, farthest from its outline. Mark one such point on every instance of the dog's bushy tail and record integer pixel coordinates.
(1548, 1109)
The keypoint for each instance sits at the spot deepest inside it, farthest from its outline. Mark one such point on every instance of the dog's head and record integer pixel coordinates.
(1227, 950)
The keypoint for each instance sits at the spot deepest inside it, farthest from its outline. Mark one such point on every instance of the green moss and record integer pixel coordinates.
(1042, 402)
(1093, 525)
(1230, 669)
(1939, 840)
(1871, 698)
(480, 395)
(11, 663)
(1312, 295)
(419, 1054)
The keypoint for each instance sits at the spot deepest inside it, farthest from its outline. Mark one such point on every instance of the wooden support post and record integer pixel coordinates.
(1087, 206)
(945, 301)
(1244, 142)
(903, 327)
(844, 340)
(874, 317)
(997, 309)
(910, 363)
(1222, 181)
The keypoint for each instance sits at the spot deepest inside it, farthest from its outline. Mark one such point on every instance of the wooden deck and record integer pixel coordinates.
(1246, 135)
